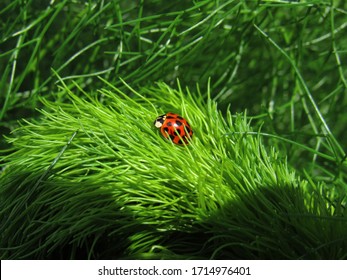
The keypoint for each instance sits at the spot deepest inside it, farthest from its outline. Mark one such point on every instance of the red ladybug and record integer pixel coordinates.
(174, 126)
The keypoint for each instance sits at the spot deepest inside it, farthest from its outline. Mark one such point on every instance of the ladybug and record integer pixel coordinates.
(174, 126)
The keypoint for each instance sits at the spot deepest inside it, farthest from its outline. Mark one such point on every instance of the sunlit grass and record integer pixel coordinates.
(277, 65)
(95, 170)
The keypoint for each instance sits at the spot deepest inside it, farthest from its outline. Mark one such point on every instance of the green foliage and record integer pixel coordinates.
(95, 179)
(281, 61)
(271, 58)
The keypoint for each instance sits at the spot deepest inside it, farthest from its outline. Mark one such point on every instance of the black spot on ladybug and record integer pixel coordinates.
(172, 137)
(180, 142)
(178, 123)
(166, 129)
(169, 124)
(178, 131)
(170, 117)
(179, 117)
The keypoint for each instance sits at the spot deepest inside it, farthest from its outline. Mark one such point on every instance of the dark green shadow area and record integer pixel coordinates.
(57, 221)
(271, 223)
(60, 223)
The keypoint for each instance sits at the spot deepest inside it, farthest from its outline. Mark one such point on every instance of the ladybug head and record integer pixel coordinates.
(159, 121)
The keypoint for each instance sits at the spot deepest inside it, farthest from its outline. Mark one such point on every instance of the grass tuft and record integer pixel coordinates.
(93, 178)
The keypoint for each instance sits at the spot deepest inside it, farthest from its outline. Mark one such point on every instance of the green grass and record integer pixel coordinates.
(95, 168)
(263, 84)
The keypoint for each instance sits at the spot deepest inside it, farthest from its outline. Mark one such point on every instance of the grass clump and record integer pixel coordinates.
(92, 178)
(282, 61)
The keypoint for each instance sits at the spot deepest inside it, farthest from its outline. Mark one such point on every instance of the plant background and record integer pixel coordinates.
(283, 62)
